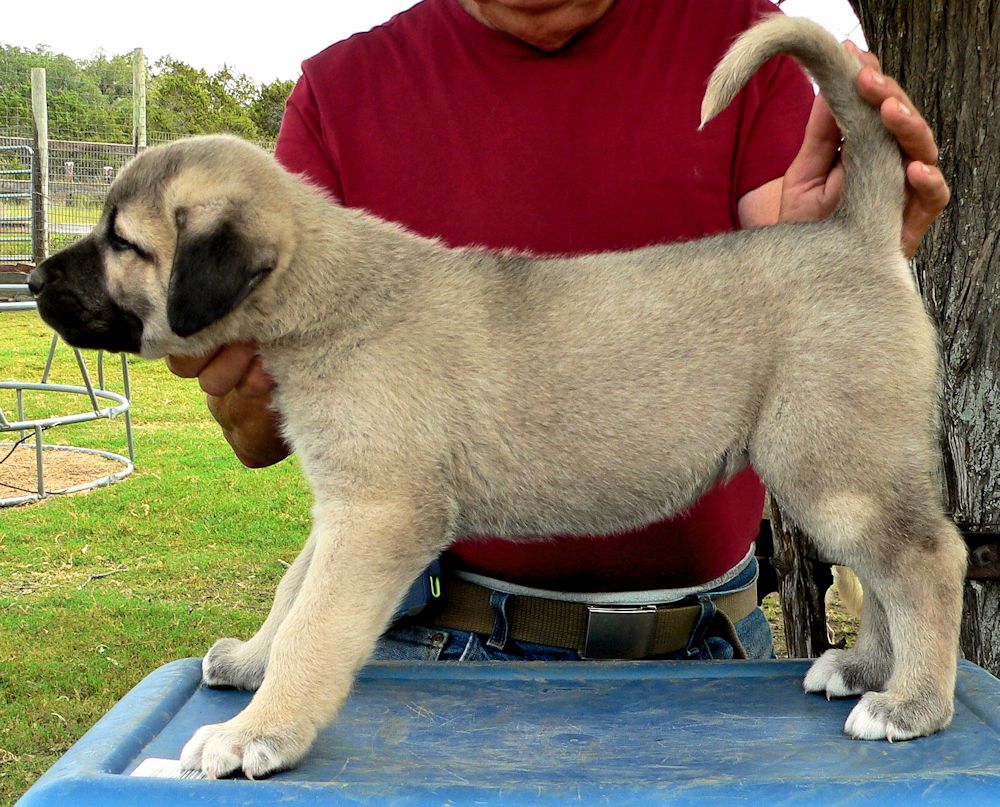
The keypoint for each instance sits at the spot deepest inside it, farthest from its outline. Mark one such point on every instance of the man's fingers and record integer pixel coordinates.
(899, 115)
(929, 186)
(226, 369)
(911, 130)
(813, 183)
(929, 195)
(256, 381)
(238, 394)
(867, 59)
(820, 144)
(898, 112)
(250, 427)
(927, 191)
(236, 366)
(875, 87)
(217, 407)
(188, 366)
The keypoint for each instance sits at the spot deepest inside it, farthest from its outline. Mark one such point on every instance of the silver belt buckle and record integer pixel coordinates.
(619, 633)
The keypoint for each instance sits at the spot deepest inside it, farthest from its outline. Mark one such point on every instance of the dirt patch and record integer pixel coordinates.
(60, 469)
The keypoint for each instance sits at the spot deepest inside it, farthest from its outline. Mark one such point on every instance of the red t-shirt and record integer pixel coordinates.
(462, 132)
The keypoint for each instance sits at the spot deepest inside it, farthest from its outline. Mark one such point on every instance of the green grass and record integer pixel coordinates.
(193, 539)
(85, 210)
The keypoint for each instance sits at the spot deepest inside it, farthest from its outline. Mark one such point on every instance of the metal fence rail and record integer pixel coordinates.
(16, 165)
(98, 111)
(78, 181)
(103, 405)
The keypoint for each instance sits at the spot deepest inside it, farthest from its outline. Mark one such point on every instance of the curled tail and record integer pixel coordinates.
(874, 181)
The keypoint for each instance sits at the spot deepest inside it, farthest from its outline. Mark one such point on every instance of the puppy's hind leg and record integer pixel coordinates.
(912, 567)
(864, 492)
(921, 590)
(843, 527)
(235, 663)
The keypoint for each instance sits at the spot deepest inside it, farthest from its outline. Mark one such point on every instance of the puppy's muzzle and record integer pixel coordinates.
(73, 299)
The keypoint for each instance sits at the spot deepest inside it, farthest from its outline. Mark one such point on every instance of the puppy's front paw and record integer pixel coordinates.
(232, 663)
(221, 749)
(843, 674)
(826, 676)
(883, 716)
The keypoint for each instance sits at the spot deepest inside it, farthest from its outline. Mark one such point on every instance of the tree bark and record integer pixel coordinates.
(981, 623)
(803, 582)
(946, 53)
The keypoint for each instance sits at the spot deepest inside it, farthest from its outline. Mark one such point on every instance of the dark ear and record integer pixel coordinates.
(213, 272)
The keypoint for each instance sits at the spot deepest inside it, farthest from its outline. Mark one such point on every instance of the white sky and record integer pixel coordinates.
(266, 41)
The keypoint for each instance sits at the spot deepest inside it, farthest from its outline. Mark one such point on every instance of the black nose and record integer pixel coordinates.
(36, 281)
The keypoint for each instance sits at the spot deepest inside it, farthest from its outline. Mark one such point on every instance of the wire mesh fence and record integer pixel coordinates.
(16, 241)
(89, 117)
(15, 163)
(96, 114)
(78, 179)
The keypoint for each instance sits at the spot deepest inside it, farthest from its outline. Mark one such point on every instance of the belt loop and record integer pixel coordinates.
(729, 633)
(700, 629)
(501, 624)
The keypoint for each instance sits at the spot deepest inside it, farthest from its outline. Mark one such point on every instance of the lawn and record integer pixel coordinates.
(194, 544)
(64, 224)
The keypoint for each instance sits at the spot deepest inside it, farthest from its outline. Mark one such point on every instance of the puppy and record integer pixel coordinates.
(432, 393)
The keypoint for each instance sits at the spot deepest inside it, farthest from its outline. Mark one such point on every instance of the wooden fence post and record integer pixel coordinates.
(138, 100)
(39, 166)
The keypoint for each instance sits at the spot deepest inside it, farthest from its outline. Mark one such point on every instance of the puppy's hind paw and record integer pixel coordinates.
(846, 673)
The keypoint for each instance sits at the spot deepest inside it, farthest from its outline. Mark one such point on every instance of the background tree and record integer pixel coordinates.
(15, 88)
(187, 100)
(268, 107)
(86, 98)
(91, 99)
(947, 55)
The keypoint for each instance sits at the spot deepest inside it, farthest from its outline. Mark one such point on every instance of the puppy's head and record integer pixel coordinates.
(189, 232)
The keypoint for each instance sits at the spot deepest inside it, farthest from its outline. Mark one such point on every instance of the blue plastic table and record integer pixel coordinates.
(615, 733)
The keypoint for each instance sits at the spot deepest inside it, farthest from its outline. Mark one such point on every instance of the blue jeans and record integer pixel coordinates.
(412, 642)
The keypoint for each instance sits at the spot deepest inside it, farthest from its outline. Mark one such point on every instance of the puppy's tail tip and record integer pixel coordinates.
(832, 67)
(874, 183)
(722, 89)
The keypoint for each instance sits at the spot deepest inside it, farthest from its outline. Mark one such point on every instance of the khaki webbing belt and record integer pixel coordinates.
(466, 606)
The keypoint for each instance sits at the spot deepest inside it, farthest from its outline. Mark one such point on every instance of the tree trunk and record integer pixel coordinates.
(981, 624)
(803, 582)
(946, 53)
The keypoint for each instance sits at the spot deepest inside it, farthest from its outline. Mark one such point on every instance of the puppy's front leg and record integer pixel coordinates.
(231, 662)
(364, 557)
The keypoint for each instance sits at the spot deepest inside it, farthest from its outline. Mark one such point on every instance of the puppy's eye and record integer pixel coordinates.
(119, 244)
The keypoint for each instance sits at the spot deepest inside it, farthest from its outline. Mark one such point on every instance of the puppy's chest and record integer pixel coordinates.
(356, 415)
